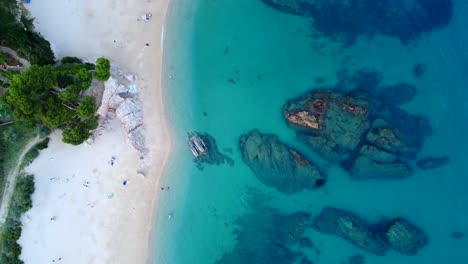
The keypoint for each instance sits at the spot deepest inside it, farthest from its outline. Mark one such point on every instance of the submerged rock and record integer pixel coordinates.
(457, 235)
(277, 165)
(357, 259)
(305, 242)
(404, 237)
(349, 227)
(346, 20)
(263, 236)
(291, 227)
(373, 163)
(433, 163)
(398, 94)
(419, 70)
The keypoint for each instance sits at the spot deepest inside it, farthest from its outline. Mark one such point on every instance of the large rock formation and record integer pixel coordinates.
(404, 237)
(362, 130)
(127, 107)
(348, 226)
(397, 234)
(277, 165)
(346, 20)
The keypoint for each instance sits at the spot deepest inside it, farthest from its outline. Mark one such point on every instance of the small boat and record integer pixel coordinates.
(197, 145)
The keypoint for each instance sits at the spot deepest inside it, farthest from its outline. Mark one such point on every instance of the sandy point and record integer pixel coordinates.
(91, 205)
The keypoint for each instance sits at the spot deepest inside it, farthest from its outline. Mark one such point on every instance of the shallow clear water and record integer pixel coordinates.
(230, 66)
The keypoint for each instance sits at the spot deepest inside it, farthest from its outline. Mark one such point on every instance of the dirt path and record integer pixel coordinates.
(11, 179)
(15, 55)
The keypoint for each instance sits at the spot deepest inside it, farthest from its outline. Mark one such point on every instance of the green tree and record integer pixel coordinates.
(102, 70)
(70, 94)
(75, 133)
(83, 79)
(86, 108)
(28, 90)
(55, 113)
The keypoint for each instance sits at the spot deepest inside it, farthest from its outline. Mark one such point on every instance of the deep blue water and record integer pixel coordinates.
(231, 65)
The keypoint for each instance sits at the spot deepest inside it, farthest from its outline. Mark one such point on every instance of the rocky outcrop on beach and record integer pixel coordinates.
(351, 228)
(397, 234)
(404, 237)
(346, 20)
(127, 107)
(361, 129)
(277, 165)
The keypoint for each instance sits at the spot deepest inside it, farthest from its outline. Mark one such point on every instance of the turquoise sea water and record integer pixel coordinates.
(230, 66)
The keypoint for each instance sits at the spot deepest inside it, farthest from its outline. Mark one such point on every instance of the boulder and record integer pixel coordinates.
(404, 237)
(277, 165)
(349, 227)
(433, 163)
(339, 122)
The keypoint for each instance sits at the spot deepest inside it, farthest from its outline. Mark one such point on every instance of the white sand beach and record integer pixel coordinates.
(82, 212)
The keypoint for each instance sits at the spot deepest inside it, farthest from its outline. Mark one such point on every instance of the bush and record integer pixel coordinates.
(71, 60)
(102, 72)
(75, 133)
(86, 108)
(20, 203)
(83, 79)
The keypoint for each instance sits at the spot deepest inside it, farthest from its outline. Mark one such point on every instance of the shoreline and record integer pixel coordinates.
(123, 228)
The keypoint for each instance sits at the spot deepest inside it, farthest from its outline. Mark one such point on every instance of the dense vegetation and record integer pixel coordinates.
(11, 230)
(43, 97)
(36, 95)
(19, 35)
(13, 138)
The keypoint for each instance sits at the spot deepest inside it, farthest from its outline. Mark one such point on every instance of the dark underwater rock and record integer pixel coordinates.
(433, 163)
(290, 228)
(404, 237)
(277, 165)
(214, 156)
(306, 261)
(305, 242)
(357, 259)
(419, 70)
(349, 227)
(414, 128)
(346, 20)
(398, 94)
(457, 235)
(257, 238)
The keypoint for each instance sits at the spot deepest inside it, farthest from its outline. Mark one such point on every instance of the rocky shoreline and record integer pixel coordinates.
(118, 99)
